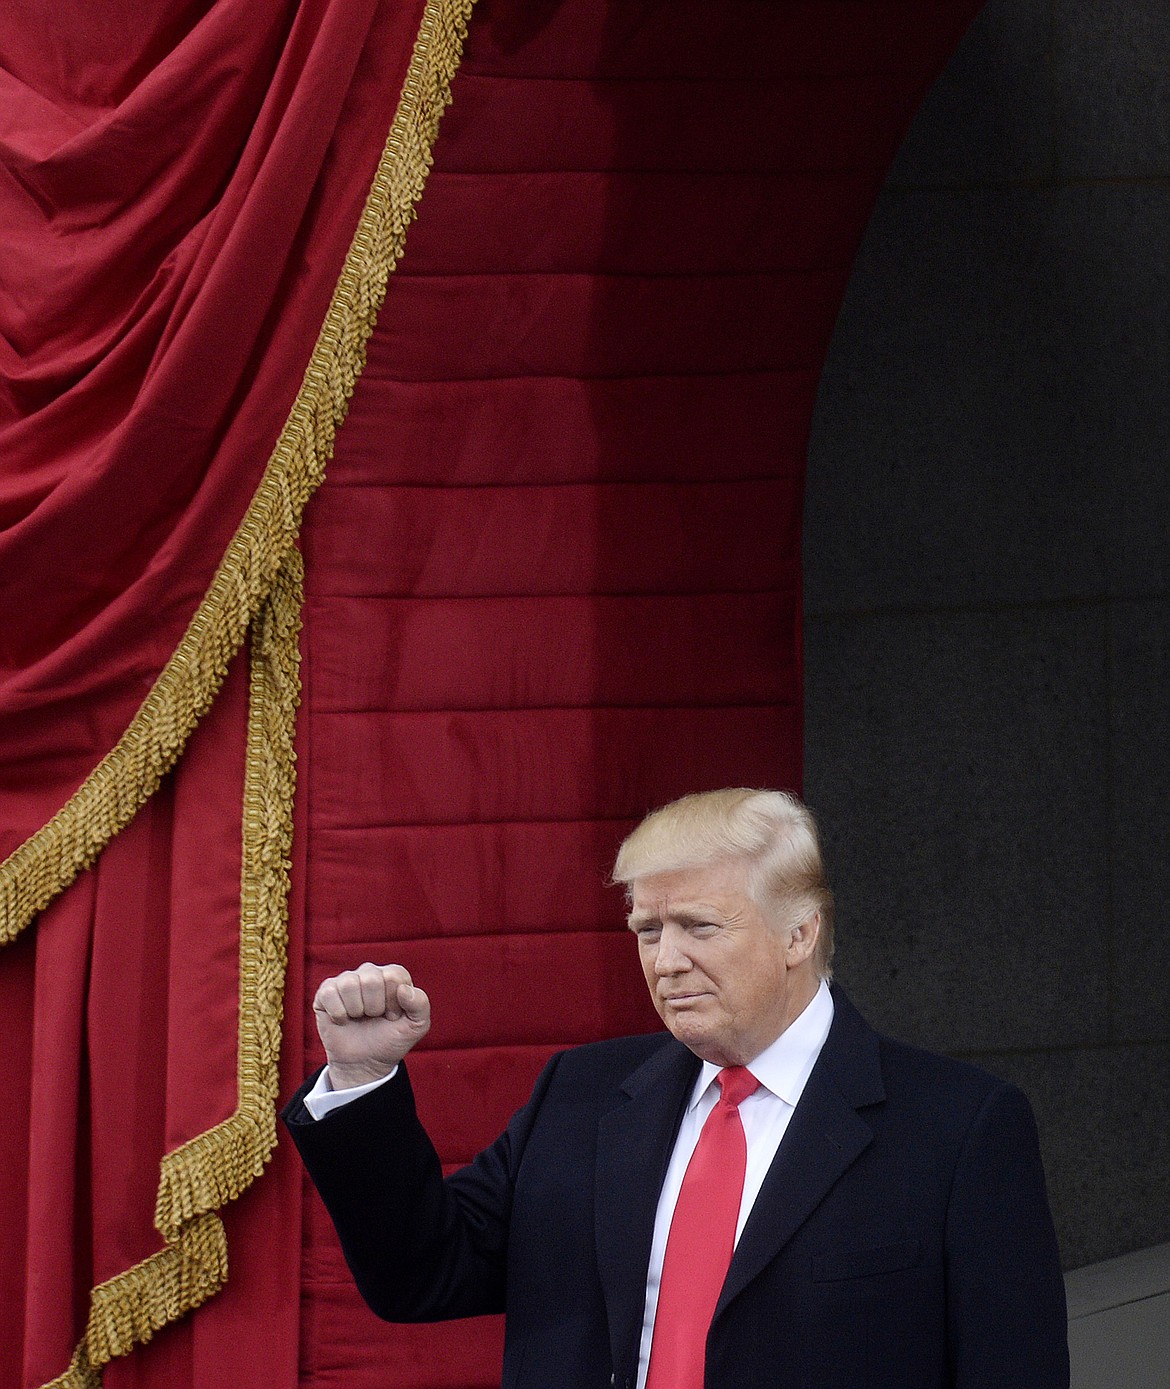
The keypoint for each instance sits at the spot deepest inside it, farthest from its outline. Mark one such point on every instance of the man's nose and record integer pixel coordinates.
(671, 957)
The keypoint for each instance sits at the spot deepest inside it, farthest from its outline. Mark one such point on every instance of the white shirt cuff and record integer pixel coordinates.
(322, 1098)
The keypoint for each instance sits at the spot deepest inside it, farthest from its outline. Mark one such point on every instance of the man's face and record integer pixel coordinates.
(725, 979)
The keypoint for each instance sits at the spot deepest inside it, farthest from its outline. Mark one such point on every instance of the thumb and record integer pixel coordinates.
(414, 1003)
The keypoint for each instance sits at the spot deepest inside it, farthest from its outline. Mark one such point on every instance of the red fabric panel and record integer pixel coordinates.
(498, 651)
(537, 325)
(447, 1357)
(625, 223)
(110, 1092)
(499, 990)
(463, 879)
(537, 764)
(744, 41)
(792, 126)
(132, 1052)
(557, 429)
(554, 575)
(641, 538)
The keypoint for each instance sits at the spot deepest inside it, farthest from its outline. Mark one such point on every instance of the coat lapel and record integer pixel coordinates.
(824, 1138)
(634, 1142)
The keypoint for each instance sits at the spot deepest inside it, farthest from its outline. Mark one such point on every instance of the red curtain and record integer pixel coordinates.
(181, 187)
(552, 579)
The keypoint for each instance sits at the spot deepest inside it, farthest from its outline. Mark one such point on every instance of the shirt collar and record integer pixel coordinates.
(784, 1066)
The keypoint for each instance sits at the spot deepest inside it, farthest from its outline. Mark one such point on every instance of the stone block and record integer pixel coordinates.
(991, 420)
(989, 117)
(958, 763)
(1139, 664)
(1104, 1120)
(1112, 88)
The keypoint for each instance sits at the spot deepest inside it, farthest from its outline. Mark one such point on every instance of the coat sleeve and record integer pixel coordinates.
(420, 1248)
(1006, 1317)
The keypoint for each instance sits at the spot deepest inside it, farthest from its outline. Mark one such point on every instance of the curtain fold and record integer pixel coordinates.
(171, 257)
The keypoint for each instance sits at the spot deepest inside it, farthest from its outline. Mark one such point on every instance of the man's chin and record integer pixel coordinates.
(690, 1029)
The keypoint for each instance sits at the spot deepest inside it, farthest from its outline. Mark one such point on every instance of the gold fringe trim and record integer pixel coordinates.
(216, 1166)
(258, 585)
(130, 1308)
(49, 860)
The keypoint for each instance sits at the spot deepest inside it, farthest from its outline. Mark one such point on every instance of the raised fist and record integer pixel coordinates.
(368, 1019)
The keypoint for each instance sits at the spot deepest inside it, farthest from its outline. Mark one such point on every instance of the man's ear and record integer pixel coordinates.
(802, 942)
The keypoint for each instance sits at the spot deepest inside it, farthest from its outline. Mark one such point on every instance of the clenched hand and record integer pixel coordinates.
(368, 1019)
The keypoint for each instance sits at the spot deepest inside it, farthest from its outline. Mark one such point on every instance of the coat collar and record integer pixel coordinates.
(634, 1141)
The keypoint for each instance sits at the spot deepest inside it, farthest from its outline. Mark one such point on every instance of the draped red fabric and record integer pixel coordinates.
(181, 184)
(553, 577)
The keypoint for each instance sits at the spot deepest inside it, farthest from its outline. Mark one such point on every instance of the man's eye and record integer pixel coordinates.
(704, 928)
(649, 935)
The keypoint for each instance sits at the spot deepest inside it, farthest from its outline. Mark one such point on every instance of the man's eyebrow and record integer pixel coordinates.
(691, 918)
(682, 916)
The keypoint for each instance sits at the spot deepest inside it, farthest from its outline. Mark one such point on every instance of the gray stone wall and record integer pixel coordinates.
(987, 561)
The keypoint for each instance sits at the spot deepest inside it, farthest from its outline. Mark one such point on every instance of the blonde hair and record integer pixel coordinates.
(772, 832)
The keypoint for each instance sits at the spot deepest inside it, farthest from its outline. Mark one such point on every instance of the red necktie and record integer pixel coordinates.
(701, 1240)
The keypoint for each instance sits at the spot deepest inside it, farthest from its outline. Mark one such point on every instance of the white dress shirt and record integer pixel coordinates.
(783, 1070)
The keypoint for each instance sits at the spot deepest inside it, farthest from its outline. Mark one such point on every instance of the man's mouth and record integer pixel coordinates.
(680, 1000)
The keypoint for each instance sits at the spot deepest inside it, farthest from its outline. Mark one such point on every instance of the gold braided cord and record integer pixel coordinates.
(259, 586)
(49, 860)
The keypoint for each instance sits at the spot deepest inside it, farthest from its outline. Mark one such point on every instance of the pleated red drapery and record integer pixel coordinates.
(553, 577)
(182, 183)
